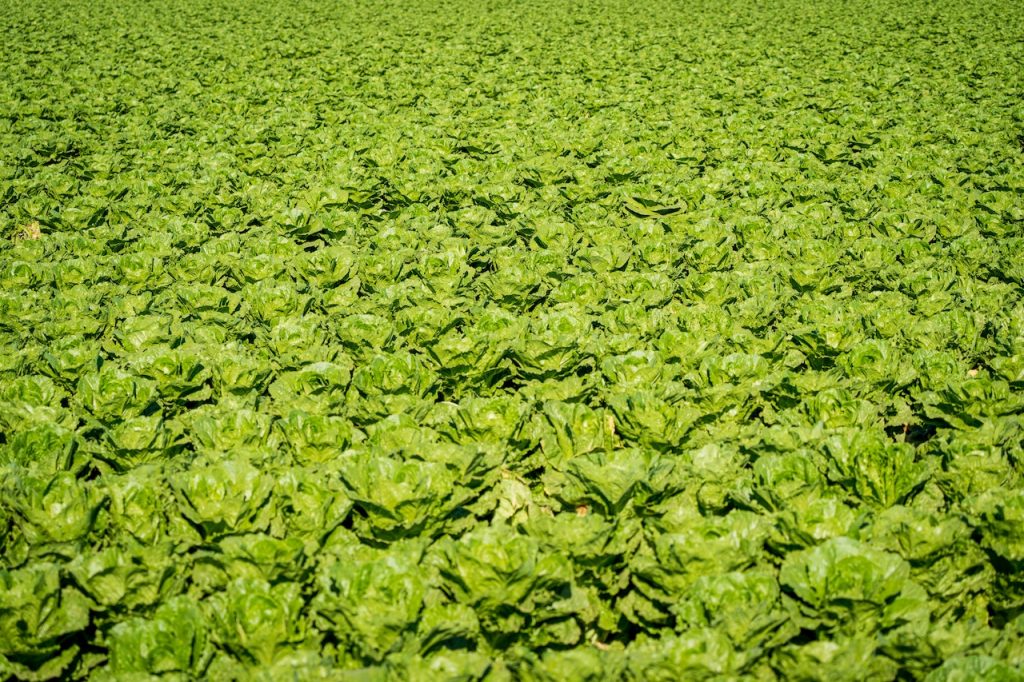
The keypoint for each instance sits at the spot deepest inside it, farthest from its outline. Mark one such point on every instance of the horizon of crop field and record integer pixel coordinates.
(512, 340)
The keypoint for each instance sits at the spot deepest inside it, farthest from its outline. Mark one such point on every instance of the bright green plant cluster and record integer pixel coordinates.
(498, 341)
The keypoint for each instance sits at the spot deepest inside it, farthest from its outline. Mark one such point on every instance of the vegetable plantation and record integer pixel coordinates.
(528, 340)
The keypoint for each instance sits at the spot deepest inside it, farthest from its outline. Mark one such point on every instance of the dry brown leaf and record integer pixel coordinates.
(30, 231)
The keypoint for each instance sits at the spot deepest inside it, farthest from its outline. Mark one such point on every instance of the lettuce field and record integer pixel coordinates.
(528, 340)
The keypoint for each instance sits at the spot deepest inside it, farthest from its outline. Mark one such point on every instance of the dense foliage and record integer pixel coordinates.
(512, 340)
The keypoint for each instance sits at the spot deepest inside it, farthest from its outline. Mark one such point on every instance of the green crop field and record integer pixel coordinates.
(527, 340)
